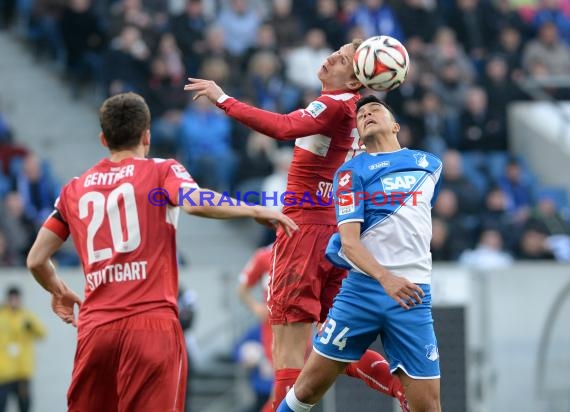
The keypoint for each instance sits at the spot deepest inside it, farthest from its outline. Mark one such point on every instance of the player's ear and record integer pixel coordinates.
(103, 140)
(396, 127)
(146, 138)
(354, 84)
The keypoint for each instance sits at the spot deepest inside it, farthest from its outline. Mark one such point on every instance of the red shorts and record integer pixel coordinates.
(137, 363)
(303, 282)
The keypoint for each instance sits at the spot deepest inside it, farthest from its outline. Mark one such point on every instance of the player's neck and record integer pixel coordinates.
(120, 155)
(382, 146)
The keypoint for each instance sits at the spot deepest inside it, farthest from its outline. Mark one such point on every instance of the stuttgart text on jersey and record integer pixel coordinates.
(116, 273)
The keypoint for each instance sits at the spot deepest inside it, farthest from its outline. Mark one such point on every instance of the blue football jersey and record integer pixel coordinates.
(392, 195)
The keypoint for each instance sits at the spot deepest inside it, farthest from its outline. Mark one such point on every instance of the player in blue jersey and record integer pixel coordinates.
(383, 205)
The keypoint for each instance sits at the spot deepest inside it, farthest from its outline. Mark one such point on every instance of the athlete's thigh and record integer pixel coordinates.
(409, 339)
(296, 280)
(153, 365)
(93, 383)
(353, 322)
(423, 394)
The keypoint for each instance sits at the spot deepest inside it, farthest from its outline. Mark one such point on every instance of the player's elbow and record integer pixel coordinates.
(34, 261)
(349, 246)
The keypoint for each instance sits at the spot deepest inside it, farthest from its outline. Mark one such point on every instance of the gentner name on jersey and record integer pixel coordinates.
(109, 178)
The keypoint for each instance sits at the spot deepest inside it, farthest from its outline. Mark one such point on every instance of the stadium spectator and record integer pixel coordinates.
(442, 249)
(533, 245)
(19, 228)
(37, 189)
(307, 59)
(325, 17)
(288, 27)
(189, 29)
(460, 230)
(511, 47)
(125, 64)
(20, 329)
(167, 101)
(472, 21)
(518, 188)
(84, 40)
(239, 21)
(266, 87)
(553, 11)
(265, 41)
(482, 129)
(376, 16)
(495, 215)
(454, 179)
(488, 254)
(419, 18)
(548, 50)
(210, 156)
(7, 258)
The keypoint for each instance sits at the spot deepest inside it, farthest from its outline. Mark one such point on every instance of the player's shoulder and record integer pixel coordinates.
(345, 101)
(426, 160)
(357, 162)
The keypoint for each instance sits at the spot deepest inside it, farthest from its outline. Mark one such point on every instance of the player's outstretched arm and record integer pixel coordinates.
(39, 263)
(214, 205)
(401, 290)
(277, 126)
(257, 308)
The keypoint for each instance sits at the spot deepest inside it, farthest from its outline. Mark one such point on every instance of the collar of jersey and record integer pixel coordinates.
(394, 151)
(341, 91)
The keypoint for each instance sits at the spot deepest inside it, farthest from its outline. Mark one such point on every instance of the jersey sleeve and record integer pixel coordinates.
(176, 177)
(316, 118)
(348, 191)
(437, 176)
(254, 270)
(57, 221)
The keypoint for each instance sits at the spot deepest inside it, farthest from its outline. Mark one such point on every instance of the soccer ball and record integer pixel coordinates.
(381, 63)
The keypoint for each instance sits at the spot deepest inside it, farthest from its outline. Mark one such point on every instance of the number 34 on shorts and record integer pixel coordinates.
(329, 331)
(338, 341)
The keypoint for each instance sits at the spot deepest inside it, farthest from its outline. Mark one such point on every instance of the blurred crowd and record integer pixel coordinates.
(470, 59)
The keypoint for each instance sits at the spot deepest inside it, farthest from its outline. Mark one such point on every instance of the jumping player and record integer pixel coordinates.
(303, 283)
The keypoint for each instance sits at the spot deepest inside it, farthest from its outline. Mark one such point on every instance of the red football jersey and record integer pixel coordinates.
(125, 236)
(257, 269)
(325, 137)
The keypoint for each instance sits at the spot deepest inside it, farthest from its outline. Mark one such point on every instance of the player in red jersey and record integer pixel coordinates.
(255, 272)
(303, 283)
(122, 215)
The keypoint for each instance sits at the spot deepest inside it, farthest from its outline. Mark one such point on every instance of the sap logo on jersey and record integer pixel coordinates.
(399, 181)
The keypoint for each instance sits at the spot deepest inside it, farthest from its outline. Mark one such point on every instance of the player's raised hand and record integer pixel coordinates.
(406, 293)
(203, 87)
(275, 219)
(63, 304)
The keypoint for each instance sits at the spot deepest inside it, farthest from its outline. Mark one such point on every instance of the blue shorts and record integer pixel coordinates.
(363, 310)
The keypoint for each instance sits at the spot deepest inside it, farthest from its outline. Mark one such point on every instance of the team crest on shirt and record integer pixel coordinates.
(421, 160)
(316, 108)
(345, 180)
(432, 353)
